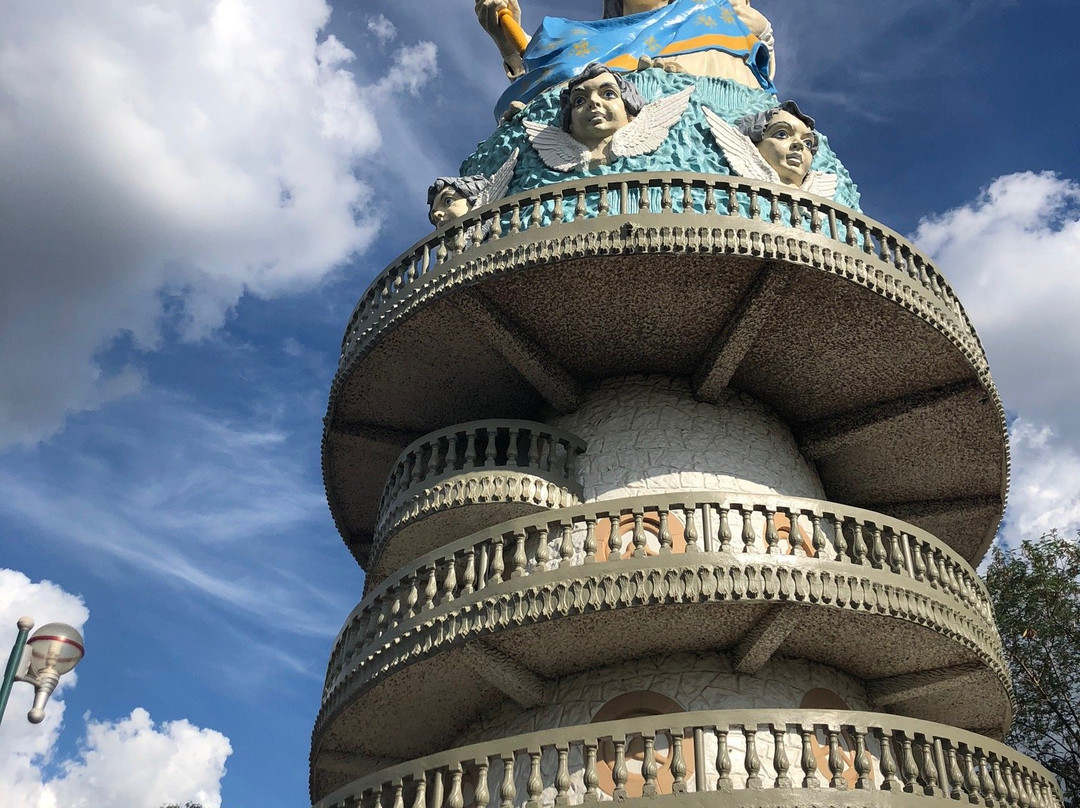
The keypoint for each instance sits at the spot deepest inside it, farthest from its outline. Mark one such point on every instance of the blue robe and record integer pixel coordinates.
(561, 48)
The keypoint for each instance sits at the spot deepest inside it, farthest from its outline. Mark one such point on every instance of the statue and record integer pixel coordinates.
(777, 145)
(452, 197)
(603, 117)
(718, 38)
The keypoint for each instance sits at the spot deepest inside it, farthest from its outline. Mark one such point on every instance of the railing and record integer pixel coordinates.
(727, 753)
(517, 446)
(697, 200)
(721, 525)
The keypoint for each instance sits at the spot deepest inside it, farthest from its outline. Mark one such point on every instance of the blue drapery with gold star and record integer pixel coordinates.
(561, 48)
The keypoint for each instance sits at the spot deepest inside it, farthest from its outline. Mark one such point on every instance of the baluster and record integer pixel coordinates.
(1000, 787)
(566, 547)
(543, 549)
(512, 448)
(435, 798)
(534, 449)
(836, 761)
(687, 198)
(701, 782)
(412, 595)
(815, 219)
(468, 576)
(710, 198)
(971, 776)
(780, 758)
(725, 531)
(665, 196)
(453, 458)
(579, 205)
(520, 559)
(896, 554)
(614, 540)
(678, 763)
(450, 581)
(772, 538)
(644, 203)
(639, 534)
(590, 540)
(490, 447)
(619, 774)
(1009, 772)
(877, 556)
(796, 213)
(862, 762)
(603, 205)
(807, 760)
(432, 588)
(691, 531)
(482, 795)
(592, 776)
(858, 546)
(420, 778)
(957, 785)
(917, 562)
(371, 798)
(751, 760)
(664, 533)
(515, 218)
(723, 763)
(774, 207)
(455, 799)
(1027, 790)
(648, 765)
(840, 540)
(433, 460)
(733, 201)
(931, 567)
(931, 786)
(624, 197)
(470, 450)
(748, 535)
(986, 779)
(507, 791)
(394, 596)
(818, 536)
(562, 776)
(755, 206)
(558, 212)
(482, 569)
(498, 566)
(534, 785)
(889, 769)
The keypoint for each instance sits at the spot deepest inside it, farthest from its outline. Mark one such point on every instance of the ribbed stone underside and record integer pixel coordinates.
(648, 434)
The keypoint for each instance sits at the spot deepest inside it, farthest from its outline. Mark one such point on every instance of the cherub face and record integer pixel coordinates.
(449, 204)
(597, 110)
(788, 146)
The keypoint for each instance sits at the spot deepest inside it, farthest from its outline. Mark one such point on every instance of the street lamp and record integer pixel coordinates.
(53, 650)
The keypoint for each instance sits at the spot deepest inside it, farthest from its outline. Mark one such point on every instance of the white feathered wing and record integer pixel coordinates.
(647, 132)
(500, 181)
(556, 148)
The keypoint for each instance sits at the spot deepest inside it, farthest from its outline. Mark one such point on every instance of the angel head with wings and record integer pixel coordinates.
(596, 104)
(786, 138)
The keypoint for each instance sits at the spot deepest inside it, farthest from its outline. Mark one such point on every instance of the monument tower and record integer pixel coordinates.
(667, 466)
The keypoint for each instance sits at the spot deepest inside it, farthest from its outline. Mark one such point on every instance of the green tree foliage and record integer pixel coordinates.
(1036, 594)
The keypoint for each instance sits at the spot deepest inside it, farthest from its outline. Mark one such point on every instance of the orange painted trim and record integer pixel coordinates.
(698, 43)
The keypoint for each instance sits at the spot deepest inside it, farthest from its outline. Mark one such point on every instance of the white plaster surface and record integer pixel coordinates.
(647, 434)
(695, 681)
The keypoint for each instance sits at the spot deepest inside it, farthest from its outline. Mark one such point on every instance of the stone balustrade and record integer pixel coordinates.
(835, 547)
(670, 212)
(461, 465)
(791, 757)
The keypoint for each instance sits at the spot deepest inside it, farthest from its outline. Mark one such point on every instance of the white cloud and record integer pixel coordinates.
(1013, 256)
(159, 160)
(382, 27)
(129, 763)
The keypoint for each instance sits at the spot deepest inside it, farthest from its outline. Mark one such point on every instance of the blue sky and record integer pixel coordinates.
(193, 195)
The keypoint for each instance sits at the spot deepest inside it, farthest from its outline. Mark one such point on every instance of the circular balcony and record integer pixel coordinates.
(836, 323)
(624, 579)
(463, 478)
(714, 758)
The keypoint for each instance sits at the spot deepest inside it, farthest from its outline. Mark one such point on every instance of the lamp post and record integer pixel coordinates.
(53, 650)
